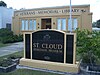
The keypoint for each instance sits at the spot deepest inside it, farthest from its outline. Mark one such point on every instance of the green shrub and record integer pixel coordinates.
(88, 44)
(14, 56)
(7, 39)
(6, 62)
(5, 32)
(7, 36)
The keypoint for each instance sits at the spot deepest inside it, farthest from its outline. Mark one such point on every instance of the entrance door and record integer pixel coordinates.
(46, 23)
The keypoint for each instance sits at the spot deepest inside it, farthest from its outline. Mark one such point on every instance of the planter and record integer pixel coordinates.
(16, 60)
(95, 68)
(9, 65)
(8, 69)
(87, 69)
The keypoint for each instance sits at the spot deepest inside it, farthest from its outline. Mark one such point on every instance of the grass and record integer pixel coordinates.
(16, 54)
(23, 71)
(28, 72)
(3, 45)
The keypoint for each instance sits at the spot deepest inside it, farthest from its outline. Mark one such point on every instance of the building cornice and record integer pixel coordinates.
(55, 7)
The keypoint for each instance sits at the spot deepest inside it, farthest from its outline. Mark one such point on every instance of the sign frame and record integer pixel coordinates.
(74, 46)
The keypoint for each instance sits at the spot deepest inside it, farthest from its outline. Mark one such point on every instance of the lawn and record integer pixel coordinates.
(16, 54)
(3, 45)
(23, 71)
(28, 72)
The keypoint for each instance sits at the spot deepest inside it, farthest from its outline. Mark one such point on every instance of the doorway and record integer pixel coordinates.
(46, 23)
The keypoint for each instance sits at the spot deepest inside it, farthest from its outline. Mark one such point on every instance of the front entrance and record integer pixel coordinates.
(46, 23)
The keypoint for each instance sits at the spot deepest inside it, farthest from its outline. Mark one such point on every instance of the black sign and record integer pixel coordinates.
(69, 48)
(48, 45)
(27, 46)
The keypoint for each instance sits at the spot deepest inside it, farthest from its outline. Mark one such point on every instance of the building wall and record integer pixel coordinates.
(80, 12)
(0, 18)
(6, 16)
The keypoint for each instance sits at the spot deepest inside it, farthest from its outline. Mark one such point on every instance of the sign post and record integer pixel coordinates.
(70, 17)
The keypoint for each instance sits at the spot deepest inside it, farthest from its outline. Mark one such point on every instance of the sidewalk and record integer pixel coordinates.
(14, 47)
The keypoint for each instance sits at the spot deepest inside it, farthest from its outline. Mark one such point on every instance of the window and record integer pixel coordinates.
(23, 25)
(34, 23)
(61, 24)
(26, 25)
(74, 24)
(30, 25)
(8, 26)
(69, 25)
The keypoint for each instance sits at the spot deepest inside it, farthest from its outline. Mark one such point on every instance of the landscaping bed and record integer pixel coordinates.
(8, 68)
(88, 69)
(8, 63)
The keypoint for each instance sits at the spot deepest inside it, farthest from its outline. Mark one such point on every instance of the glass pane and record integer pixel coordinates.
(26, 25)
(69, 25)
(30, 25)
(22, 28)
(59, 24)
(75, 24)
(63, 24)
(34, 23)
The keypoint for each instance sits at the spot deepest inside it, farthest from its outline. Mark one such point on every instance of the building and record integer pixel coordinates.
(52, 18)
(5, 16)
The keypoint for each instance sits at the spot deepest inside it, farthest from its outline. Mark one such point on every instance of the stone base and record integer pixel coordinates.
(50, 65)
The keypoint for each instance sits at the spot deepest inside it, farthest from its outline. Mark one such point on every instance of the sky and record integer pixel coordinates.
(30, 4)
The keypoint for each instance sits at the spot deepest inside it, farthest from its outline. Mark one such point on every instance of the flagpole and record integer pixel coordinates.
(70, 16)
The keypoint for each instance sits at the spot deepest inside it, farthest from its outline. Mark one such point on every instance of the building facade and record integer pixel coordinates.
(5, 16)
(52, 18)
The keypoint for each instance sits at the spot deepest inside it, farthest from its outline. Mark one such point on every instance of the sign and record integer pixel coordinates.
(50, 11)
(48, 45)
(69, 48)
(43, 47)
(27, 46)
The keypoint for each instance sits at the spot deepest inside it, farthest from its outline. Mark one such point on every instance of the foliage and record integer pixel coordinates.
(96, 24)
(7, 36)
(19, 54)
(5, 62)
(7, 59)
(88, 44)
(3, 45)
(3, 4)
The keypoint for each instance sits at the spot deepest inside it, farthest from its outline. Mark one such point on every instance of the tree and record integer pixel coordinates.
(3, 4)
(98, 23)
(94, 24)
(7, 36)
(89, 46)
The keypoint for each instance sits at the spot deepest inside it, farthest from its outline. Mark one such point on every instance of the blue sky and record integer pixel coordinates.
(29, 4)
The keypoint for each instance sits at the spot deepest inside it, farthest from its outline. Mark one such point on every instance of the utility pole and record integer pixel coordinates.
(70, 17)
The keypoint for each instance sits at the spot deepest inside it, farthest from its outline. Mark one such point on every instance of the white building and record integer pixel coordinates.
(6, 17)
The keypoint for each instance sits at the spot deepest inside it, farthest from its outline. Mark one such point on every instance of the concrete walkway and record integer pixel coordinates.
(14, 47)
